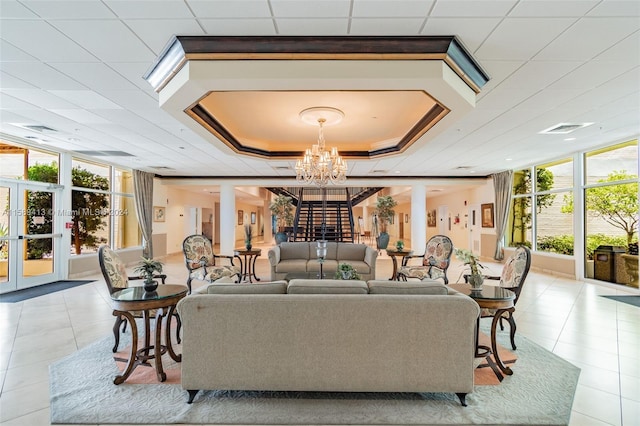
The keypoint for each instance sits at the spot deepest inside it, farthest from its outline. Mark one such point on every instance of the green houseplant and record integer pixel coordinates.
(346, 272)
(476, 279)
(146, 269)
(282, 209)
(248, 235)
(385, 213)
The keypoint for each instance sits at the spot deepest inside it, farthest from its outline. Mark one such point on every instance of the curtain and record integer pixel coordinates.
(143, 196)
(502, 186)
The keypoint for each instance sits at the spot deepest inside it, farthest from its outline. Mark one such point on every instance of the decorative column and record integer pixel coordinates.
(418, 219)
(227, 219)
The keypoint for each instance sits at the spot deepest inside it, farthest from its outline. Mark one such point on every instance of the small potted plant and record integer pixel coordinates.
(248, 235)
(399, 245)
(346, 272)
(475, 278)
(146, 269)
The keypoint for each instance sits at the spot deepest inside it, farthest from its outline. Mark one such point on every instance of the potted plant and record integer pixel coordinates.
(146, 269)
(346, 272)
(282, 209)
(399, 245)
(385, 212)
(248, 235)
(475, 278)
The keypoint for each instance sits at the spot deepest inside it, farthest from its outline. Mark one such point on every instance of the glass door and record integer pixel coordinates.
(29, 235)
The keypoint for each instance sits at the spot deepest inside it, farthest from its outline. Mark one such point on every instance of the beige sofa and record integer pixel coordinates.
(302, 257)
(329, 335)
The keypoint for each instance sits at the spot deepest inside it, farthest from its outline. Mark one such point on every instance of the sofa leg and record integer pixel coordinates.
(462, 397)
(192, 394)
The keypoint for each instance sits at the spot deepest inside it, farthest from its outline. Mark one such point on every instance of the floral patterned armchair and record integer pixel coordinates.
(435, 261)
(115, 276)
(201, 261)
(514, 272)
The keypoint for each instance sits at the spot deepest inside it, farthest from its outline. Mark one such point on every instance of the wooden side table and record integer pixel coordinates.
(248, 267)
(397, 253)
(164, 300)
(490, 297)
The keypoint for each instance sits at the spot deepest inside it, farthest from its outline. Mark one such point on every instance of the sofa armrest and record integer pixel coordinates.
(274, 255)
(370, 256)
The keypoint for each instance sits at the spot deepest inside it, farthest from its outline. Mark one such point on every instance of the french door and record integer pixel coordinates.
(30, 235)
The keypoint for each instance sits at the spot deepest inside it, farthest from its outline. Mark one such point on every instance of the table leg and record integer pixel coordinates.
(395, 268)
(134, 347)
(253, 267)
(494, 345)
(157, 348)
(241, 268)
(172, 354)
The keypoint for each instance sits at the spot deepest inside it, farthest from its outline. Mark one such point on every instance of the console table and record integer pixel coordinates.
(163, 300)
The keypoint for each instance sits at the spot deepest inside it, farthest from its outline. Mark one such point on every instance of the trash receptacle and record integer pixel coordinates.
(605, 263)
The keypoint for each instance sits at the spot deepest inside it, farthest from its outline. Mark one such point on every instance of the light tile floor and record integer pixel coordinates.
(567, 317)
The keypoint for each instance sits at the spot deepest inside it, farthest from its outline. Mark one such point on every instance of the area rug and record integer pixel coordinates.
(631, 300)
(40, 290)
(540, 392)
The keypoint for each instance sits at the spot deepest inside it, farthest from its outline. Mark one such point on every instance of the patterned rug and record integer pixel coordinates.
(540, 392)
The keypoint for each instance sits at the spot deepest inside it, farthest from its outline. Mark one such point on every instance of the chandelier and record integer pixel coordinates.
(318, 165)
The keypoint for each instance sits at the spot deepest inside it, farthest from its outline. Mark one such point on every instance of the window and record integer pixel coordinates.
(42, 166)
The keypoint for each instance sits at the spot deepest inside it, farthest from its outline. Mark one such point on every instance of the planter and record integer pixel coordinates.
(476, 281)
(150, 286)
(383, 241)
(281, 237)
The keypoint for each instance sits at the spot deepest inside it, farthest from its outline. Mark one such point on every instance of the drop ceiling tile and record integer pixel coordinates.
(589, 75)
(70, 9)
(311, 9)
(616, 8)
(10, 103)
(238, 26)
(8, 81)
(498, 71)
(10, 53)
(230, 8)
(521, 38)
(300, 26)
(44, 41)
(149, 9)
(536, 75)
(386, 9)
(14, 10)
(472, 8)
(39, 98)
(133, 71)
(623, 52)
(156, 33)
(471, 32)
(120, 46)
(132, 99)
(552, 8)
(96, 76)
(80, 115)
(40, 75)
(400, 26)
(588, 38)
(86, 99)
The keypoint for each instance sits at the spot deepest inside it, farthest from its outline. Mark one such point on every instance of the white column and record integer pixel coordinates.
(418, 219)
(268, 230)
(366, 218)
(227, 219)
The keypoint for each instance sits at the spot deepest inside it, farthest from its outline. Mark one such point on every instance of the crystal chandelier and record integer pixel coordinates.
(318, 165)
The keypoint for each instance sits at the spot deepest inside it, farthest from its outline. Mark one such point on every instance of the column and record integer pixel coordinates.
(227, 219)
(418, 219)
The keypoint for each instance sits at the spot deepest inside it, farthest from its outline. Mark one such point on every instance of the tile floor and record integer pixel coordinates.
(568, 317)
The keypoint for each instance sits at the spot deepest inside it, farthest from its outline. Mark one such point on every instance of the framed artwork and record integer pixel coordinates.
(431, 218)
(158, 214)
(487, 215)
(406, 218)
(253, 218)
(240, 217)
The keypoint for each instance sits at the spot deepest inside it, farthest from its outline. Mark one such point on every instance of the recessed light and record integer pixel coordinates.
(570, 139)
(397, 172)
(508, 159)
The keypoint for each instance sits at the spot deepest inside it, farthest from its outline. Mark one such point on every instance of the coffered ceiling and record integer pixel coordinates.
(71, 77)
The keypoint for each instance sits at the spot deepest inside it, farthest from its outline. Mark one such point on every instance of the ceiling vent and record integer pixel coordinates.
(105, 153)
(37, 127)
(564, 128)
(161, 168)
(379, 171)
(462, 168)
(281, 168)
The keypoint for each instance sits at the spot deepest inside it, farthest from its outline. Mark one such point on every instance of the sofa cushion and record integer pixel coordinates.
(292, 265)
(329, 266)
(295, 250)
(348, 251)
(274, 287)
(327, 287)
(407, 287)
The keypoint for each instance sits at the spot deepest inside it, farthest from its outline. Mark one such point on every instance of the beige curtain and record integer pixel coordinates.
(143, 196)
(502, 185)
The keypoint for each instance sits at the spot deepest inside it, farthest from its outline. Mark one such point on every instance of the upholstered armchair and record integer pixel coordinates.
(435, 261)
(115, 276)
(514, 272)
(203, 264)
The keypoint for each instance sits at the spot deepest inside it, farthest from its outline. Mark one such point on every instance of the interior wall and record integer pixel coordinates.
(177, 202)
